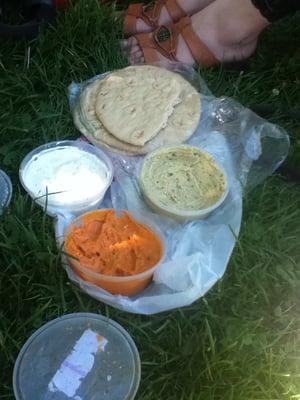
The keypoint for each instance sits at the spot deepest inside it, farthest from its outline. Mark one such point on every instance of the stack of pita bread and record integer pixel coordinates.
(138, 109)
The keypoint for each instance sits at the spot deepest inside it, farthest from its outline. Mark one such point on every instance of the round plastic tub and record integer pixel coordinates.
(78, 356)
(120, 285)
(172, 212)
(80, 196)
(5, 191)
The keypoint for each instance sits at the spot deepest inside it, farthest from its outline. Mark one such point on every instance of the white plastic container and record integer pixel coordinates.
(79, 172)
(5, 191)
(173, 212)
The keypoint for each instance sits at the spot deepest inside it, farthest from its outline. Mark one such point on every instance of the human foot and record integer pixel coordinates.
(142, 18)
(229, 29)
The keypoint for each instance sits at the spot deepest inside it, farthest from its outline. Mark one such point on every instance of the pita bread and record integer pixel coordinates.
(135, 108)
(180, 126)
(89, 125)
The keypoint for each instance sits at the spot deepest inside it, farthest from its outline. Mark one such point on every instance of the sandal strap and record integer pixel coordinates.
(148, 47)
(151, 45)
(129, 25)
(152, 11)
(174, 10)
(135, 9)
(165, 41)
(133, 12)
(199, 50)
(150, 14)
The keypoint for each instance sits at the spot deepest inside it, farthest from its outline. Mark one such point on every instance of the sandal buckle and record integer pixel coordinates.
(148, 7)
(163, 34)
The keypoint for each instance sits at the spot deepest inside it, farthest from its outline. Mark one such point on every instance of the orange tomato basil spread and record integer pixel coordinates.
(113, 245)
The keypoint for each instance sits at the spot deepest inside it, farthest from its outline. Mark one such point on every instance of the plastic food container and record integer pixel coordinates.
(83, 186)
(121, 285)
(78, 356)
(176, 213)
(5, 191)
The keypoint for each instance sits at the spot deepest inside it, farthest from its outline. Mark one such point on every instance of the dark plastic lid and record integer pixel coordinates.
(78, 356)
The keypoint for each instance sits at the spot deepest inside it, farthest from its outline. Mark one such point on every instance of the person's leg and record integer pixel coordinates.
(229, 28)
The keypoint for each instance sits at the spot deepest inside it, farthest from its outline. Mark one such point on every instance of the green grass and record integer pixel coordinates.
(242, 341)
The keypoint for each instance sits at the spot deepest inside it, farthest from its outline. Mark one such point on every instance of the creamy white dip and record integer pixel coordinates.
(66, 177)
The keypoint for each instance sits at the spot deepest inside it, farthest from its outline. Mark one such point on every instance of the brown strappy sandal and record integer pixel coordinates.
(164, 40)
(150, 14)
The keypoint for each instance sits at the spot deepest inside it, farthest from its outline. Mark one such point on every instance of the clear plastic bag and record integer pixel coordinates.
(247, 147)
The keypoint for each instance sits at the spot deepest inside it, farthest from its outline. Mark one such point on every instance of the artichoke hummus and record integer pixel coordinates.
(182, 178)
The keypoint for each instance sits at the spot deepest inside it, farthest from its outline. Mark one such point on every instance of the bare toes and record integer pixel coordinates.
(129, 43)
(139, 54)
(124, 44)
(135, 49)
(136, 57)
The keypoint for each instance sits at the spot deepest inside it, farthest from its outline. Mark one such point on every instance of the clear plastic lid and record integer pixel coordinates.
(78, 356)
(5, 191)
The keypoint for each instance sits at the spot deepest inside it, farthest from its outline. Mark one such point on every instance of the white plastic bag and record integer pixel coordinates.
(248, 148)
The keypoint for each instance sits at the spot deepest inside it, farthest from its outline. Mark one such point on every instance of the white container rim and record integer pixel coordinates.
(79, 144)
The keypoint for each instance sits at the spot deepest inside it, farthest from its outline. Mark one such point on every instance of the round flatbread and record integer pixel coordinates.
(86, 120)
(135, 107)
(180, 126)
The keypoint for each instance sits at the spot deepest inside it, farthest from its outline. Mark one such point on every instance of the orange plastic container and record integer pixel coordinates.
(122, 285)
